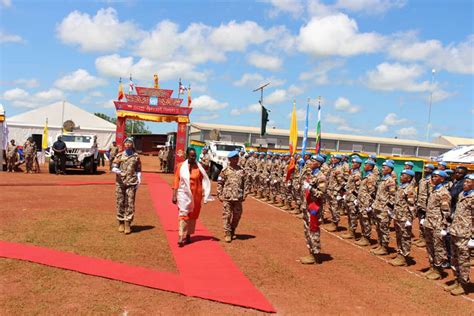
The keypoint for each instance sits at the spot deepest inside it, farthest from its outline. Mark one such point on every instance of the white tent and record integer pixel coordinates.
(21, 126)
(460, 154)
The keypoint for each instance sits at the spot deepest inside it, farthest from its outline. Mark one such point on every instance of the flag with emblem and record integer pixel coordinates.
(189, 96)
(293, 141)
(120, 91)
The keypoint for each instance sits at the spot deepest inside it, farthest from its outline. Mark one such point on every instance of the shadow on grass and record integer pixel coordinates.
(140, 228)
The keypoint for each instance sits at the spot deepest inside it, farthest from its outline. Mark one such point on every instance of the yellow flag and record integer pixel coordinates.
(45, 135)
(293, 130)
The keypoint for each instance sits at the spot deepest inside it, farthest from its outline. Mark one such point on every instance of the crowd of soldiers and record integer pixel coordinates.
(30, 159)
(314, 187)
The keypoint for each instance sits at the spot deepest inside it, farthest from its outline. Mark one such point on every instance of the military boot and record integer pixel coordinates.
(429, 271)
(228, 237)
(281, 203)
(375, 249)
(121, 227)
(435, 275)
(127, 230)
(309, 259)
(363, 242)
(459, 290)
(399, 261)
(332, 227)
(348, 235)
(449, 288)
(259, 195)
(273, 200)
(421, 243)
(381, 251)
(286, 206)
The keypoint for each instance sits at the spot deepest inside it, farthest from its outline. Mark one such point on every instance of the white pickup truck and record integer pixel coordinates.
(218, 151)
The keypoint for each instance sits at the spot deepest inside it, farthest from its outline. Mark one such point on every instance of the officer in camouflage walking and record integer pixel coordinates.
(29, 150)
(127, 167)
(403, 215)
(232, 189)
(315, 187)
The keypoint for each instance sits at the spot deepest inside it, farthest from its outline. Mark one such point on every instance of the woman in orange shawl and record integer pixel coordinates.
(191, 184)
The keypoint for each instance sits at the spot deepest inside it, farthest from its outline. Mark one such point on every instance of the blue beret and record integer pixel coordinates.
(440, 173)
(443, 163)
(430, 166)
(449, 171)
(391, 161)
(251, 152)
(409, 163)
(232, 154)
(356, 160)
(337, 156)
(370, 162)
(323, 155)
(345, 156)
(388, 164)
(373, 156)
(408, 172)
(469, 176)
(318, 158)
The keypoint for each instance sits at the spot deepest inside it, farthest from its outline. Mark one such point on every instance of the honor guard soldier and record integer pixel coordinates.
(352, 191)
(424, 189)
(367, 193)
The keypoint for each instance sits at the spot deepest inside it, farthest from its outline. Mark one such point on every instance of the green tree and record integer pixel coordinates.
(132, 126)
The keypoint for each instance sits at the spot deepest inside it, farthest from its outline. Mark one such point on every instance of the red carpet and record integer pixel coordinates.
(66, 184)
(205, 270)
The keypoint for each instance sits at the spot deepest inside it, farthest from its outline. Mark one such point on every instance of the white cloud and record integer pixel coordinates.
(255, 80)
(369, 6)
(341, 123)
(15, 94)
(265, 61)
(252, 108)
(300, 115)
(392, 120)
(89, 97)
(391, 77)
(293, 7)
(21, 98)
(100, 33)
(277, 96)
(337, 35)
(381, 129)
(237, 36)
(29, 83)
(343, 104)
(205, 102)
(407, 132)
(10, 38)
(79, 80)
(109, 104)
(319, 74)
(6, 3)
(114, 65)
(441, 95)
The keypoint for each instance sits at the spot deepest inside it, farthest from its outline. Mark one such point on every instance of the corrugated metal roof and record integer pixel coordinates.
(455, 141)
(327, 136)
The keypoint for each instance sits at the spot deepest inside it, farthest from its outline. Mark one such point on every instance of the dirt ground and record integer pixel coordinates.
(81, 219)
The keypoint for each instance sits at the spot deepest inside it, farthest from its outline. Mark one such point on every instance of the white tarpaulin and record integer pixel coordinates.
(24, 125)
(461, 154)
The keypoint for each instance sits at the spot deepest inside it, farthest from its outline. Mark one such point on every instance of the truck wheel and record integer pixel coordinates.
(215, 172)
(88, 166)
(52, 167)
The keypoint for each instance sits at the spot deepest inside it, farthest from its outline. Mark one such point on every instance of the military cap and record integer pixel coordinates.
(337, 156)
(128, 140)
(440, 173)
(356, 160)
(430, 166)
(442, 163)
(370, 162)
(391, 161)
(242, 150)
(469, 176)
(318, 158)
(251, 152)
(373, 156)
(389, 164)
(449, 172)
(269, 153)
(408, 172)
(232, 154)
(409, 163)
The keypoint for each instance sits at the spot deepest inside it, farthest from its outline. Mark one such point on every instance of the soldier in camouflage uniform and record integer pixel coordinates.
(376, 170)
(274, 184)
(249, 170)
(232, 189)
(295, 184)
(242, 158)
(260, 181)
(383, 208)
(438, 210)
(29, 150)
(205, 160)
(366, 196)
(12, 156)
(462, 236)
(336, 185)
(403, 215)
(127, 167)
(287, 186)
(424, 189)
(266, 174)
(409, 166)
(352, 191)
(314, 188)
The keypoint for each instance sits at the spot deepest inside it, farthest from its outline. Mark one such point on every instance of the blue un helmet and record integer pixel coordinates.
(440, 173)
(409, 172)
(356, 159)
(233, 154)
(389, 164)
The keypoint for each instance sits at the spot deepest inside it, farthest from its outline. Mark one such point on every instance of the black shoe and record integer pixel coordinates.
(188, 239)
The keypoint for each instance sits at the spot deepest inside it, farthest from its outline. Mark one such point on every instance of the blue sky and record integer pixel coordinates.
(370, 60)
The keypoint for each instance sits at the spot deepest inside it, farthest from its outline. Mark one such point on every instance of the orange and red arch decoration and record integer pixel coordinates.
(154, 105)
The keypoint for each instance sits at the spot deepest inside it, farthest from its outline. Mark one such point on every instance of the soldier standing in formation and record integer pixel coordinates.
(113, 151)
(29, 150)
(12, 156)
(232, 189)
(424, 189)
(335, 187)
(352, 190)
(365, 198)
(127, 167)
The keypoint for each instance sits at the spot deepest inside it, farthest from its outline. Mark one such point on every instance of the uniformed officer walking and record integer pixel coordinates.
(12, 156)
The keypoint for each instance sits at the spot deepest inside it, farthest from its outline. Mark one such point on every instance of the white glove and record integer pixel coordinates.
(369, 209)
(443, 232)
(116, 170)
(356, 202)
(139, 177)
(407, 223)
(344, 197)
(306, 185)
(275, 181)
(422, 221)
(470, 244)
(390, 214)
(338, 198)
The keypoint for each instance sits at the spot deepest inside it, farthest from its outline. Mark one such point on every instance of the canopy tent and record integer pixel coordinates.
(21, 126)
(460, 154)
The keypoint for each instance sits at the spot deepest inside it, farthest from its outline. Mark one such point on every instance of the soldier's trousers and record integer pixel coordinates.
(435, 247)
(313, 239)
(364, 219)
(296, 192)
(460, 258)
(275, 188)
(11, 163)
(287, 188)
(334, 207)
(352, 214)
(403, 235)
(29, 160)
(382, 224)
(125, 195)
(231, 214)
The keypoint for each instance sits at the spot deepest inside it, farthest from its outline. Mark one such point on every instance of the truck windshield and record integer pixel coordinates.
(77, 139)
(228, 147)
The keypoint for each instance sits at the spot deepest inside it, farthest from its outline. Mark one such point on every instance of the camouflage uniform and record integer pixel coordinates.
(352, 191)
(325, 169)
(114, 150)
(260, 177)
(287, 186)
(423, 193)
(29, 150)
(275, 179)
(296, 186)
(250, 171)
(383, 207)
(335, 185)
(267, 172)
(242, 161)
(404, 211)
(317, 190)
(126, 184)
(461, 230)
(232, 190)
(12, 156)
(367, 193)
(304, 176)
(437, 212)
(376, 171)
